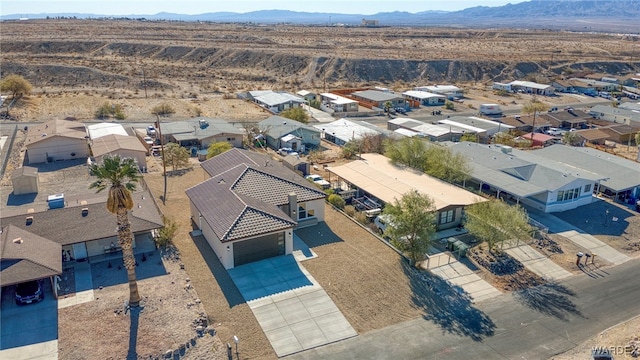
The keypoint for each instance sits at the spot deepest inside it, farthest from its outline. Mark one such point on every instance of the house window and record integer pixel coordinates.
(560, 194)
(568, 194)
(587, 188)
(576, 192)
(304, 213)
(446, 216)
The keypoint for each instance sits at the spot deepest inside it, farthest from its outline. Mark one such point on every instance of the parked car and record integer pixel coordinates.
(151, 130)
(148, 140)
(29, 292)
(401, 110)
(318, 180)
(285, 151)
(554, 131)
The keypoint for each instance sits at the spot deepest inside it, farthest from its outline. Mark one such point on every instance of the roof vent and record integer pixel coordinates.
(221, 181)
(17, 240)
(29, 220)
(85, 212)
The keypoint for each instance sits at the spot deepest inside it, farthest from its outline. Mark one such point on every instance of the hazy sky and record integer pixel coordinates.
(150, 7)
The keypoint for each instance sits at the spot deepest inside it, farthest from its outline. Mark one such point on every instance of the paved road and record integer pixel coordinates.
(552, 322)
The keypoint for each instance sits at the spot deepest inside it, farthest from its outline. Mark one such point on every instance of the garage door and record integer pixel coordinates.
(258, 249)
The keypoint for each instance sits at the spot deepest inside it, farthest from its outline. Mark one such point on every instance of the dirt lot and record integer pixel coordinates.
(170, 309)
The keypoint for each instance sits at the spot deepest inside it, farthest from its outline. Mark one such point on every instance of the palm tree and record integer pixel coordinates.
(121, 176)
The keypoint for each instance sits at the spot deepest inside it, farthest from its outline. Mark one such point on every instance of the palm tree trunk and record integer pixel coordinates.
(125, 238)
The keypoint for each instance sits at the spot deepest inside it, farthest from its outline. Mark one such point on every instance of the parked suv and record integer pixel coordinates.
(29, 292)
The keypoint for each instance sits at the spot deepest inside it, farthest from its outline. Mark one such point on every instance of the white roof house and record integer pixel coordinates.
(542, 183)
(476, 125)
(342, 131)
(422, 94)
(435, 132)
(447, 90)
(97, 131)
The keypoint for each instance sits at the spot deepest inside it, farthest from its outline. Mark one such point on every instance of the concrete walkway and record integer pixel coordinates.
(84, 286)
(578, 237)
(538, 263)
(320, 115)
(459, 274)
(293, 310)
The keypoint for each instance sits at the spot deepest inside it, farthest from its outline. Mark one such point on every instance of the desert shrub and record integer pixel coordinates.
(329, 192)
(107, 110)
(336, 200)
(350, 210)
(449, 105)
(361, 217)
(163, 109)
(167, 232)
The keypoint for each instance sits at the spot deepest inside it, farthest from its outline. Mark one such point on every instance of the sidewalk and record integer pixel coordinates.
(538, 263)
(457, 273)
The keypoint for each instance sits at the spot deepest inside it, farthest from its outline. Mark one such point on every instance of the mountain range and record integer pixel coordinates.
(521, 13)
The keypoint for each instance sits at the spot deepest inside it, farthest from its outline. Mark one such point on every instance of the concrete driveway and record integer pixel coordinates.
(29, 331)
(293, 310)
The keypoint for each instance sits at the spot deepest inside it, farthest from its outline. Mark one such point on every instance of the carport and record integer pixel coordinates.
(30, 329)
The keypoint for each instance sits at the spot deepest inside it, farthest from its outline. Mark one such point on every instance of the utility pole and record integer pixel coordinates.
(144, 83)
(164, 162)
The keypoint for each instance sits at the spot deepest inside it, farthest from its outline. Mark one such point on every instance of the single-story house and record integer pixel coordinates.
(123, 145)
(527, 87)
(87, 228)
(97, 131)
(201, 132)
(593, 136)
(450, 91)
(539, 139)
(484, 128)
(423, 98)
(616, 115)
(248, 208)
(620, 176)
(24, 180)
(526, 122)
(307, 95)
(378, 98)
(342, 131)
(274, 128)
(623, 134)
(374, 175)
(335, 103)
(583, 86)
(292, 142)
(433, 132)
(275, 101)
(568, 119)
(25, 256)
(523, 177)
(56, 140)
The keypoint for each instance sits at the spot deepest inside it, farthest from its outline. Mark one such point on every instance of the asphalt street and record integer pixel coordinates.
(546, 321)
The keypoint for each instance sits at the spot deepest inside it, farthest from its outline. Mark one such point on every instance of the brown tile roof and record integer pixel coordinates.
(67, 225)
(110, 143)
(26, 256)
(242, 197)
(60, 128)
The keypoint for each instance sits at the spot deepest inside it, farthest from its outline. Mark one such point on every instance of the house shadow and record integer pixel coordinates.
(112, 272)
(56, 165)
(17, 200)
(318, 235)
(550, 299)
(447, 305)
(224, 280)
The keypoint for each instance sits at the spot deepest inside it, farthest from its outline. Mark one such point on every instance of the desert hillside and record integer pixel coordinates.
(187, 59)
